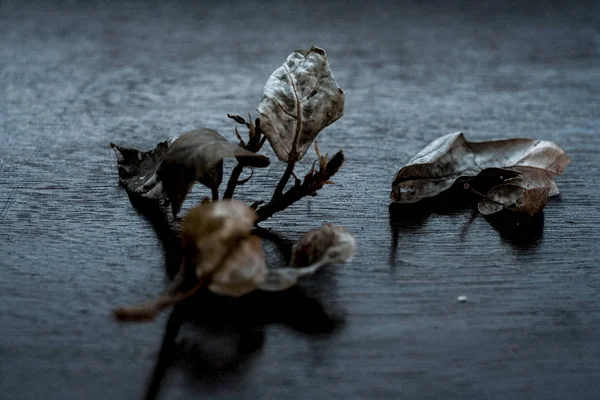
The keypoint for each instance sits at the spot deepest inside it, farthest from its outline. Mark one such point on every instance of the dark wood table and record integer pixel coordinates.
(76, 76)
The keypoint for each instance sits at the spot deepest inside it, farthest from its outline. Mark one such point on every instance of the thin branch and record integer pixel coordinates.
(245, 180)
(313, 181)
(284, 180)
(167, 349)
(233, 181)
(239, 120)
(254, 144)
(149, 310)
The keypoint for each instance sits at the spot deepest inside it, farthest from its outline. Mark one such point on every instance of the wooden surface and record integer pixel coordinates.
(76, 76)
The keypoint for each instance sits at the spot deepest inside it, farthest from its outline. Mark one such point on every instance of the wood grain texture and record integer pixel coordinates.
(76, 76)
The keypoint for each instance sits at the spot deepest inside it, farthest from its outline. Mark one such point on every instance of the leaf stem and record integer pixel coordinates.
(284, 180)
(255, 142)
(233, 180)
(167, 350)
(313, 181)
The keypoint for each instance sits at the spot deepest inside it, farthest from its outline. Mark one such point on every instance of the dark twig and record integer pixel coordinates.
(312, 182)
(233, 181)
(284, 180)
(245, 180)
(240, 120)
(254, 144)
(167, 350)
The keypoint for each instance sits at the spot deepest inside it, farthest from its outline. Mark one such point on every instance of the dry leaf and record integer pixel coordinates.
(198, 156)
(328, 244)
(242, 271)
(436, 167)
(532, 201)
(210, 232)
(318, 247)
(137, 169)
(299, 99)
(530, 178)
(514, 197)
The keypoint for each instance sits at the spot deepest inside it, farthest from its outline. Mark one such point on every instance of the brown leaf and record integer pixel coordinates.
(242, 271)
(532, 201)
(211, 230)
(326, 245)
(198, 156)
(436, 167)
(514, 197)
(299, 99)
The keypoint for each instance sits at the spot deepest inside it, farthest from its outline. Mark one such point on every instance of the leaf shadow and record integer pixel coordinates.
(165, 226)
(522, 232)
(410, 218)
(239, 324)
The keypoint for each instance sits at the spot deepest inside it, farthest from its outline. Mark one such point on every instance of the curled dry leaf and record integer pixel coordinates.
(198, 156)
(172, 167)
(329, 244)
(242, 271)
(318, 247)
(210, 232)
(533, 200)
(514, 197)
(436, 167)
(299, 99)
(138, 169)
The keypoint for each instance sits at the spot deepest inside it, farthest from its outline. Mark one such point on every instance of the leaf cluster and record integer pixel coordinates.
(511, 174)
(220, 253)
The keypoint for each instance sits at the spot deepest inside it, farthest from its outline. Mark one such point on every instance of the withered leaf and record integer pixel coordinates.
(533, 200)
(210, 232)
(436, 167)
(299, 99)
(198, 156)
(530, 178)
(242, 271)
(514, 197)
(318, 247)
(138, 169)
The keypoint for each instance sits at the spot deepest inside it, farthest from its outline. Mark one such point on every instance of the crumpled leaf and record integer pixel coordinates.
(242, 271)
(436, 167)
(530, 178)
(299, 99)
(514, 197)
(327, 244)
(532, 201)
(211, 231)
(318, 247)
(137, 169)
(198, 156)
